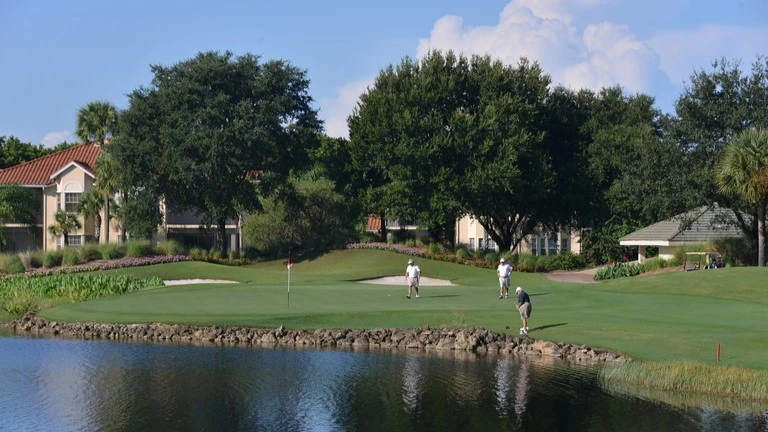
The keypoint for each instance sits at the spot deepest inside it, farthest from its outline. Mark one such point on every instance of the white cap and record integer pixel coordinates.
(518, 289)
(410, 261)
(502, 260)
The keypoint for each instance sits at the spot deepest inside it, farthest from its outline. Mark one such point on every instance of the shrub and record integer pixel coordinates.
(546, 263)
(214, 254)
(251, 253)
(528, 264)
(112, 251)
(90, 252)
(435, 248)
(619, 270)
(170, 247)
(198, 254)
(569, 261)
(491, 257)
(138, 249)
(35, 259)
(234, 255)
(52, 259)
(11, 264)
(71, 256)
(461, 253)
(737, 251)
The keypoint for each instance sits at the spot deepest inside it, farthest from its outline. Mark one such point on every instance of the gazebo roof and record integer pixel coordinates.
(699, 225)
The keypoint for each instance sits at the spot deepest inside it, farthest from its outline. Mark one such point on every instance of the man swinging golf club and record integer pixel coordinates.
(524, 306)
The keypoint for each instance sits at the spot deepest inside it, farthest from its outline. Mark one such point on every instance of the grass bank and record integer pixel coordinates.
(672, 317)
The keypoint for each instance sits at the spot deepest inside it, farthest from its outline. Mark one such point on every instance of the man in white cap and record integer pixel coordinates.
(503, 272)
(524, 306)
(412, 274)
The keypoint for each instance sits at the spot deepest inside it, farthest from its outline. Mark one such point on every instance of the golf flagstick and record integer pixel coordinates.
(290, 264)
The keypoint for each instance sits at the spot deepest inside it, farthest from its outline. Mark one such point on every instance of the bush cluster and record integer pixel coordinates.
(619, 270)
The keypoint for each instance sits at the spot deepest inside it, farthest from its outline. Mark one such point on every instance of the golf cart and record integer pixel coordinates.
(705, 260)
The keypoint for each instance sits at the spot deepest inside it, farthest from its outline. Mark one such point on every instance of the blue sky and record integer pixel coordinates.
(57, 56)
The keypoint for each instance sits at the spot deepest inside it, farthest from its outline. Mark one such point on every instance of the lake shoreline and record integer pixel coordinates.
(471, 339)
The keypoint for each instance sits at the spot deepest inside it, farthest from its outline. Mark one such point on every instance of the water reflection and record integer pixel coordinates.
(61, 385)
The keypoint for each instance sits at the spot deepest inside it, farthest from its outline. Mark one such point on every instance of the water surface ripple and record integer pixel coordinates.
(68, 385)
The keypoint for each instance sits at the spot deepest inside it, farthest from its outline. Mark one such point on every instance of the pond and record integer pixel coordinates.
(74, 385)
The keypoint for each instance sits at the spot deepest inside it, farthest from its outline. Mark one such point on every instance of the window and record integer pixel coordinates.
(58, 201)
(552, 245)
(565, 245)
(471, 243)
(71, 201)
(74, 240)
(58, 242)
(533, 246)
(480, 244)
(490, 244)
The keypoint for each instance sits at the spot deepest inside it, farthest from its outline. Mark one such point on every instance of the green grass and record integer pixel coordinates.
(678, 316)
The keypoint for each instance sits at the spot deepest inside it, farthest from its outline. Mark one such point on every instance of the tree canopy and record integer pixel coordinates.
(207, 127)
(449, 135)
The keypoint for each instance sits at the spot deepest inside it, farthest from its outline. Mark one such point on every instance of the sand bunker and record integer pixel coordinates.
(197, 281)
(400, 280)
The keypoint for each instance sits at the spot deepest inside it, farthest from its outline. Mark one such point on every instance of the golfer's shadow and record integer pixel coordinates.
(548, 326)
(443, 295)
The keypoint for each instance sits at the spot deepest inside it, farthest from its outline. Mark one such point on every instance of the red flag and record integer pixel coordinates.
(290, 262)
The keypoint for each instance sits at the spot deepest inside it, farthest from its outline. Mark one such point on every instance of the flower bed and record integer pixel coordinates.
(103, 265)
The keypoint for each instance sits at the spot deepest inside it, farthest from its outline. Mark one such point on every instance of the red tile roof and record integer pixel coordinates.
(38, 171)
(374, 223)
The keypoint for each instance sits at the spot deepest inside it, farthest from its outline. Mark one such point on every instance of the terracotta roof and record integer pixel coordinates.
(374, 223)
(38, 172)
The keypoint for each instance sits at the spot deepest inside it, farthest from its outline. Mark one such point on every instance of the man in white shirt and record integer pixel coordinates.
(503, 272)
(412, 274)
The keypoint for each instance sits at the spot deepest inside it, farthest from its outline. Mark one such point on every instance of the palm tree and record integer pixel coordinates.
(95, 122)
(743, 171)
(64, 223)
(90, 207)
(17, 204)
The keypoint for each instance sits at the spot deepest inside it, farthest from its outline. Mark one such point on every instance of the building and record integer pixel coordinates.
(61, 178)
(469, 232)
(540, 242)
(697, 226)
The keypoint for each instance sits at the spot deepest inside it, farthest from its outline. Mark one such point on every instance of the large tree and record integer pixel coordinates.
(18, 205)
(97, 121)
(207, 126)
(743, 171)
(717, 105)
(448, 135)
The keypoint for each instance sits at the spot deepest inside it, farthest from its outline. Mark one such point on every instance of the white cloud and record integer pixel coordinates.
(51, 139)
(336, 110)
(602, 54)
(683, 52)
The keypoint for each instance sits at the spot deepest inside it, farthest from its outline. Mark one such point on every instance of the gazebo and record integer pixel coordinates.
(695, 226)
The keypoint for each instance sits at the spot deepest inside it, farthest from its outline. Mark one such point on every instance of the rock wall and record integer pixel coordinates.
(471, 339)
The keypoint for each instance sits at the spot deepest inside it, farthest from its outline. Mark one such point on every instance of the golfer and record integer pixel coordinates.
(503, 272)
(412, 274)
(524, 306)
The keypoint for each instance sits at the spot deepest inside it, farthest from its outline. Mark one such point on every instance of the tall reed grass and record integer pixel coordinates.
(702, 379)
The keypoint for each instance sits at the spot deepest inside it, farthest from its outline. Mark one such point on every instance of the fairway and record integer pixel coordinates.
(672, 316)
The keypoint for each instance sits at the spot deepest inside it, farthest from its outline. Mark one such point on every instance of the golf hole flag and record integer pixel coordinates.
(290, 262)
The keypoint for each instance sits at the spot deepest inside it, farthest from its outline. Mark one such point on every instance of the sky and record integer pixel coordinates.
(57, 56)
